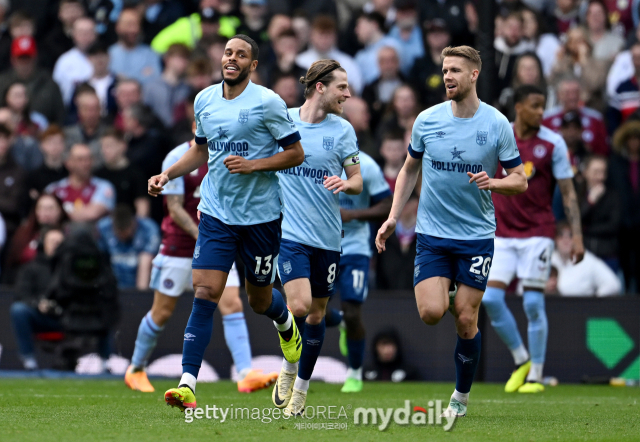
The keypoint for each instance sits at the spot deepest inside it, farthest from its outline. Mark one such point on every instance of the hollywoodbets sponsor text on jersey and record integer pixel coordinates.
(307, 172)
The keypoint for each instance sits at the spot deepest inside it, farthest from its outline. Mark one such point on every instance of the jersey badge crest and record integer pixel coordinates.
(168, 283)
(286, 267)
(327, 143)
(243, 116)
(481, 137)
(539, 151)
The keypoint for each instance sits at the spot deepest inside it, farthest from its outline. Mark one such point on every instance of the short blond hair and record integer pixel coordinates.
(465, 52)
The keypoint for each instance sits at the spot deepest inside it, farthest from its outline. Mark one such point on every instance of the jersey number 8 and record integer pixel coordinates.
(332, 273)
(477, 262)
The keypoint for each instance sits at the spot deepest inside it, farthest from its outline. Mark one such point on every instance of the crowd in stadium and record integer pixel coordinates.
(94, 94)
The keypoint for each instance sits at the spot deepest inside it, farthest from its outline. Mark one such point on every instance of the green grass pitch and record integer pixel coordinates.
(92, 410)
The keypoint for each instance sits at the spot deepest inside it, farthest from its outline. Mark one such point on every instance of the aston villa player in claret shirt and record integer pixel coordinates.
(524, 238)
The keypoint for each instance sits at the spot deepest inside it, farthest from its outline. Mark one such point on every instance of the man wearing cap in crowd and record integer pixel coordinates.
(255, 21)
(594, 133)
(426, 74)
(44, 94)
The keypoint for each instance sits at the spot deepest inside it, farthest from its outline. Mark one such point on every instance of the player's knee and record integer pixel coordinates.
(430, 314)
(161, 315)
(231, 304)
(207, 293)
(466, 321)
(491, 302)
(315, 318)
(259, 304)
(299, 308)
(534, 307)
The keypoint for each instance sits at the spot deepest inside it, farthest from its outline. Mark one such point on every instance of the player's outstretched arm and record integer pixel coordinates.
(572, 211)
(514, 183)
(193, 158)
(291, 156)
(351, 186)
(405, 184)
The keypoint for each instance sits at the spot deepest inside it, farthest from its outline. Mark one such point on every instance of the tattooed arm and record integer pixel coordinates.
(180, 216)
(572, 211)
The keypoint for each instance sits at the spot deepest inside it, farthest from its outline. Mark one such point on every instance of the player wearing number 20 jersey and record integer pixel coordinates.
(458, 145)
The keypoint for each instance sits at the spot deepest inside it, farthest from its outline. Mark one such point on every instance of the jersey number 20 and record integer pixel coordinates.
(477, 262)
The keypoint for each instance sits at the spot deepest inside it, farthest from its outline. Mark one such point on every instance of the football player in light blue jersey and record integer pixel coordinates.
(457, 144)
(240, 127)
(373, 204)
(312, 227)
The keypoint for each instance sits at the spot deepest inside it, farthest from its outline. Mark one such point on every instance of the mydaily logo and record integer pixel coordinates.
(404, 416)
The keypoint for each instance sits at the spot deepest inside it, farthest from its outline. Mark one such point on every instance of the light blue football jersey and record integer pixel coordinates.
(252, 125)
(311, 212)
(450, 147)
(357, 234)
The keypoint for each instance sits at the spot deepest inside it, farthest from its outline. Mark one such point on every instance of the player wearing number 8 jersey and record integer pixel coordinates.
(457, 144)
(311, 230)
(239, 129)
(524, 238)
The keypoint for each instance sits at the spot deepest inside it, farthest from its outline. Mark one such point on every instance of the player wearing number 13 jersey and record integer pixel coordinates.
(240, 127)
(458, 145)
(311, 230)
(524, 238)
(171, 276)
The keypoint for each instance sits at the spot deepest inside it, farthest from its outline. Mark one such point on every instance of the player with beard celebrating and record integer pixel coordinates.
(457, 144)
(524, 242)
(311, 230)
(240, 127)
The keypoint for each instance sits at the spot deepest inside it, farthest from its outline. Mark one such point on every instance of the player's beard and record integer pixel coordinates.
(462, 93)
(242, 75)
(331, 106)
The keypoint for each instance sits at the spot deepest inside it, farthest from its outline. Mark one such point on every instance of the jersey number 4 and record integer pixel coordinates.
(480, 261)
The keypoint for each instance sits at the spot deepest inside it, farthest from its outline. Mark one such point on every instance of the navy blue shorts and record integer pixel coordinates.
(354, 278)
(319, 266)
(258, 246)
(464, 261)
